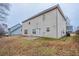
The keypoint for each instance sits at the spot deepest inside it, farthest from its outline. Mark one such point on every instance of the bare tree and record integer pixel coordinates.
(4, 8)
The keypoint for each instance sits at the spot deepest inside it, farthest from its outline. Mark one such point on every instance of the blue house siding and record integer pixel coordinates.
(15, 30)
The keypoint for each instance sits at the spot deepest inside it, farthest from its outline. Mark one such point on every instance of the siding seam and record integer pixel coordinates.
(56, 24)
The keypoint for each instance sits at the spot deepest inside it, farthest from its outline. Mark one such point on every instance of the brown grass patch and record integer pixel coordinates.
(18, 45)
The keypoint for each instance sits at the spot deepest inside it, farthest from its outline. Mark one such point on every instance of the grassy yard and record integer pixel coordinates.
(21, 46)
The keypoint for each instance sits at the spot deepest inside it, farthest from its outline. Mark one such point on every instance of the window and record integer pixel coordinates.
(47, 29)
(29, 22)
(34, 31)
(26, 31)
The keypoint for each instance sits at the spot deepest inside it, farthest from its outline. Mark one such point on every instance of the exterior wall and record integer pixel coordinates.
(61, 22)
(52, 19)
(42, 22)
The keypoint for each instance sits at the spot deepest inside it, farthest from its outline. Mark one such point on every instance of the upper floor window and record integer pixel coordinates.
(29, 22)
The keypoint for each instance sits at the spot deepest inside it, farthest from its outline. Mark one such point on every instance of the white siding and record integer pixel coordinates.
(61, 25)
(52, 19)
(34, 24)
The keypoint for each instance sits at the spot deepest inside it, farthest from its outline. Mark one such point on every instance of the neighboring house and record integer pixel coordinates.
(4, 27)
(69, 27)
(77, 27)
(15, 30)
(48, 23)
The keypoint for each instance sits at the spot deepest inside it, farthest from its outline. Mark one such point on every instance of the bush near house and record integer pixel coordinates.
(18, 45)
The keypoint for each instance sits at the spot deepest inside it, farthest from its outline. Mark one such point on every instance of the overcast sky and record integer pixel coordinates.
(19, 12)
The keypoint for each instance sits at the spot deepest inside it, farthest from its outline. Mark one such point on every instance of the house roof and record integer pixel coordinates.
(45, 11)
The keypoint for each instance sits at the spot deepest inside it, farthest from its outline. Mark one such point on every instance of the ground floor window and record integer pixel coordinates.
(25, 31)
(47, 29)
(34, 31)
